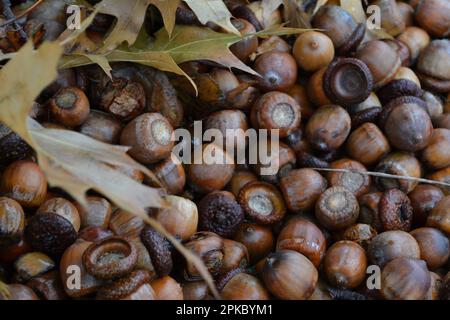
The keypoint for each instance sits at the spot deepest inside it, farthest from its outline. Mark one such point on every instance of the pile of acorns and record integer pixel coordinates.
(320, 228)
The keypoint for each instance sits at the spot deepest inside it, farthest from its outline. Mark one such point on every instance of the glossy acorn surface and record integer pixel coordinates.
(278, 71)
(345, 264)
(328, 128)
(313, 50)
(24, 182)
(434, 246)
(289, 275)
(243, 286)
(405, 279)
(359, 191)
(301, 188)
(304, 237)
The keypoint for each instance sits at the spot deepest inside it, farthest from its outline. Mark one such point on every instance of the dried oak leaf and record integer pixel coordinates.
(4, 291)
(356, 9)
(69, 159)
(130, 16)
(188, 43)
(298, 13)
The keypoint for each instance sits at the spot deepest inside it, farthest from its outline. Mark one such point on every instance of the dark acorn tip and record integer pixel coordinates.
(159, 249)
(364, 116)
(110, 258)
(354, 41)
(347, 81)
(398, 88)
(50, 233)
(219, 212)
(124, 287)
(222, 281)
(387, 109)
(395, 210)
(262, 202)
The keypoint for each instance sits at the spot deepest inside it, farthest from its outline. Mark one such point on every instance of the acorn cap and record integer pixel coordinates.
(124, 286)
(110, 258)
(398, 88)
(347, 81)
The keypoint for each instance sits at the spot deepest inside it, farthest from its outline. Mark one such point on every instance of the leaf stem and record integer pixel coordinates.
(386, 175)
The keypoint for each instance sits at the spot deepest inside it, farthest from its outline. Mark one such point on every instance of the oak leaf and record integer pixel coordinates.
(70, 160)
(299, 13)
(356, 9)
(130, 16)
(4, 291)
(188, 43)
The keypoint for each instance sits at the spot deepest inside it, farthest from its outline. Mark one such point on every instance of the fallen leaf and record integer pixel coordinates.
(90, 162)
(102, 62)
(196, 43)
(63, 151)
(213, 11)
(298, 13)
(4, 291)
(70, 160)
(188, 43)
(294, 14)
(78, 163)
(158, 59)
(23, 78)
(130, 16)
(168, 9)
(69, 37)
(319, 4)
(269, 7)
(356, 9)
